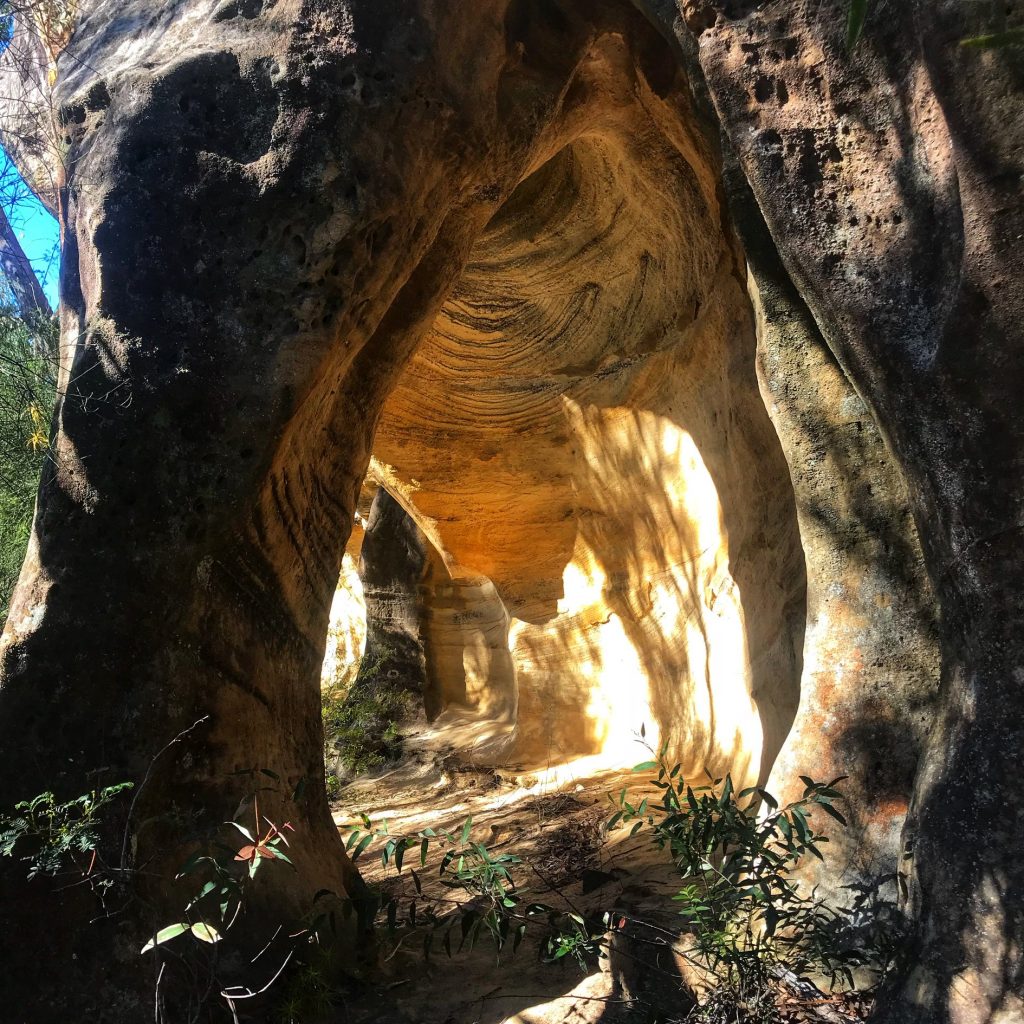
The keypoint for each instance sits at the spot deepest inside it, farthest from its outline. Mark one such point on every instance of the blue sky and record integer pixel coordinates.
(35, 227)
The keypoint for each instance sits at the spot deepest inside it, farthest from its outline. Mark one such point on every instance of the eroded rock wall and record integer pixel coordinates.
(581, 436)
(889, 179)
(493, 249)
(267, 211)
(870, 678)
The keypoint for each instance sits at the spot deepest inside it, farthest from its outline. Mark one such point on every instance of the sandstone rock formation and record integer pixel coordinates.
(581, 430)
(388, 689)
(671, 332)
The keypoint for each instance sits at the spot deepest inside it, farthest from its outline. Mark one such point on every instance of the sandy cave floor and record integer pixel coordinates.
(568, 862)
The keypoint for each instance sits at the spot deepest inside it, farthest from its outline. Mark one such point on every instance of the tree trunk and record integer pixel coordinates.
(21, 278)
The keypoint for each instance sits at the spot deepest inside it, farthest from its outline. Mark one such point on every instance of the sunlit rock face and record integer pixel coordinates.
(346, 631)
(581, 437)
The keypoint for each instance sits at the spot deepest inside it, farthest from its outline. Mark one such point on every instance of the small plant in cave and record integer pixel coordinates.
(361, 730)
(737, 854)
(220, 874)
(491, 903)
(62, 840)
(52, 837)
(361, 725)
(747, 930)
(217, 904)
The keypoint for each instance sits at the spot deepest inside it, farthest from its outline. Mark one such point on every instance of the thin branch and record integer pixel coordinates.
(149, 771)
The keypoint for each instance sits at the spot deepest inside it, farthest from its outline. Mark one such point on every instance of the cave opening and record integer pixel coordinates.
(609, 531)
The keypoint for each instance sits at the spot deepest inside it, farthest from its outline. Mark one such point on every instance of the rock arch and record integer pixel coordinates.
(284, 225)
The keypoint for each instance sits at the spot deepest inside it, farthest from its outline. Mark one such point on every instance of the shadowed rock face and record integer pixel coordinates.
(494, 251)
(392, 560)
(889, 181)
(388, 689)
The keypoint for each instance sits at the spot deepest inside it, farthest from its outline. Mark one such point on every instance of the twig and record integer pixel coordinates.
(149, 771)
(156, 992)
(248, 993)
(268, 945)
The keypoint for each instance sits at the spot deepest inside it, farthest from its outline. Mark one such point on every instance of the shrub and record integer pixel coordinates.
(738, 855)
(50, 835)
(749, 929)
(361, 725)
(28, 389)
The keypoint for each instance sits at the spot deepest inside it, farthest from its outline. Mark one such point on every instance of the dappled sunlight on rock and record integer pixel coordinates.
(346, 633)
(581, 438)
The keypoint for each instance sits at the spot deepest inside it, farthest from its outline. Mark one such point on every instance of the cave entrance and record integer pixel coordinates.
(581, 441)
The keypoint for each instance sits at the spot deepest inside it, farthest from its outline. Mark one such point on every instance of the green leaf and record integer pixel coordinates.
(855, 22)
(829, 809)
(205, 891)
(423, 851)
(768, 798)
(645, 766)
(996, 40)
(205, 932)
(723, 800)
(192, 863)
(800, 821)
(399, 856)
(469, 919)
(830, 794)
(466, 829)
(165, 934)
(241, 828)
(363, 844)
